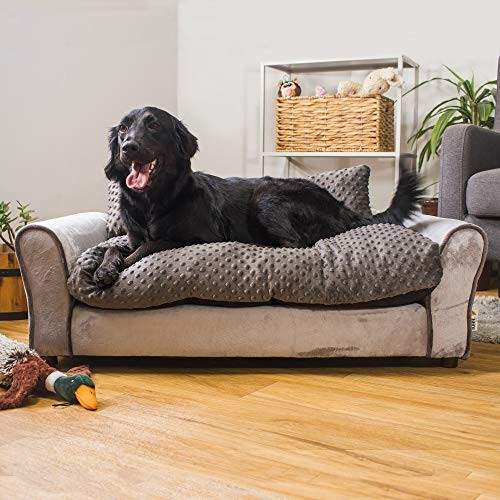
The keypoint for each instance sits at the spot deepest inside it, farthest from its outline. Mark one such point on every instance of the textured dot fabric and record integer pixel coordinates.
(114, 225)
(362, 265)
(349, 185)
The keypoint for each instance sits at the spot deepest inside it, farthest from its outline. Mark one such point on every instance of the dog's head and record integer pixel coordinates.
(145, 143)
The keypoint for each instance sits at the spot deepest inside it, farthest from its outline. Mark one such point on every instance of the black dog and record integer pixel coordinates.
(165, 205)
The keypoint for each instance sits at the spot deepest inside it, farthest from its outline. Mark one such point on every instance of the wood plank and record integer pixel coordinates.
(199, 430)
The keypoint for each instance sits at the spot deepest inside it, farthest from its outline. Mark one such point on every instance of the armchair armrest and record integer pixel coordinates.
(46, 251)
(463, 249)
(466, 150)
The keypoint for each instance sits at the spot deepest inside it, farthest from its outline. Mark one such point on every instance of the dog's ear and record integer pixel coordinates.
(110, 169)
(186, 142)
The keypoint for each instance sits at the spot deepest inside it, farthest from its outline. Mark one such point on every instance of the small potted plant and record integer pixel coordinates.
(472, 104)
(13, 303)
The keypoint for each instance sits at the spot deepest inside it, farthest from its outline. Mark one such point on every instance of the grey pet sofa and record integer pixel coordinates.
(437, 327)
(470, 178)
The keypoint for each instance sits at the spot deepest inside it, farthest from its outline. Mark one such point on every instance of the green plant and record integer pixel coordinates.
(470, 105)
(10, 223)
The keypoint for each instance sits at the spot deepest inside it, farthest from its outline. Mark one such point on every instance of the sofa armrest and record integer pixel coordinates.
(437, 229)
(46, 251)
(466, 150)
(463, 249)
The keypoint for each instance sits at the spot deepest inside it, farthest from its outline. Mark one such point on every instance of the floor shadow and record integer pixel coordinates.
(377, 366)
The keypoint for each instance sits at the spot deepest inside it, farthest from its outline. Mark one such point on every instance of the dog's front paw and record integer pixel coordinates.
(109, 271)
(90, 260)
(105, 276)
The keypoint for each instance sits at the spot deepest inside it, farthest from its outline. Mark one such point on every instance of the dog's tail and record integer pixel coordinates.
(406, 200)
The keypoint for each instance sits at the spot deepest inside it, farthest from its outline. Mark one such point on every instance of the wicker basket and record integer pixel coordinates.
(331, 123)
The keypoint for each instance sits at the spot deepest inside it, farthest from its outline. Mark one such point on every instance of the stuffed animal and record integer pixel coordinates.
(288, 88)
(22, 370)
(376, 83)
(319, 90)
(348, 87)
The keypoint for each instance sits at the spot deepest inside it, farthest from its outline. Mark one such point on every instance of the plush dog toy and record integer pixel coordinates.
(288, 88)
(22, 370)
(377, 82)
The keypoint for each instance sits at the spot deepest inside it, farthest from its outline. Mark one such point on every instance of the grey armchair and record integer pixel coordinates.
(470, 178)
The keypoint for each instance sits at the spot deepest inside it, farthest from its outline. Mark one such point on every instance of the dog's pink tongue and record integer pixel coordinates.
(138, 179)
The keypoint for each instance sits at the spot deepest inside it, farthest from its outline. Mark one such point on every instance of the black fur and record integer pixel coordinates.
(180, 207)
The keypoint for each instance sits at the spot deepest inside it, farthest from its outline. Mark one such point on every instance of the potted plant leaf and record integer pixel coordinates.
(13, 303)
(473, 104)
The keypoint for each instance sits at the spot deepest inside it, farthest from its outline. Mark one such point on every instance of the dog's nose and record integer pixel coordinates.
(130, 147)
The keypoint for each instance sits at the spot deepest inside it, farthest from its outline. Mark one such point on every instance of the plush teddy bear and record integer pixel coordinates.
(376, 83)
(288, 88)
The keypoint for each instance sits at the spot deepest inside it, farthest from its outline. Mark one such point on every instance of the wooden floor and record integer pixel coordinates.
(204, 431)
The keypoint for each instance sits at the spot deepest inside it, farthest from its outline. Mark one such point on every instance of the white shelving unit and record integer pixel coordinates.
(294, 68)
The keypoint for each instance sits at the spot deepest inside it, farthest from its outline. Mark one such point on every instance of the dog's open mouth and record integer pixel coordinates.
(140, 174)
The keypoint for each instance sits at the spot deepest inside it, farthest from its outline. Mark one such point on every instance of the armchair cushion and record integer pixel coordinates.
(483, 194)
(466, 151)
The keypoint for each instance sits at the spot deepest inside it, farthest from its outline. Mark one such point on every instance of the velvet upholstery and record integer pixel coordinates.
(59, 327)
(46, 250)
(463, 249)
(270, 331)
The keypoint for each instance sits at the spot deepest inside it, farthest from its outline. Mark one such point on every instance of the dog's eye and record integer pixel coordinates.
(154, 126)
(123, 128)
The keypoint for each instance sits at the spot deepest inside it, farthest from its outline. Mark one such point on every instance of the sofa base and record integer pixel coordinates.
(59, 327)
(449, 362)
(51, 360)
(264, 331)
(214, 363)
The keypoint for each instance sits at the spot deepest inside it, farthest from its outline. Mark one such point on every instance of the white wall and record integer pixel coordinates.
(69, 70)
(222, 42)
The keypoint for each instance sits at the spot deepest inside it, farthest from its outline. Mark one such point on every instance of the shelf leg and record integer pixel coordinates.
(262, 117)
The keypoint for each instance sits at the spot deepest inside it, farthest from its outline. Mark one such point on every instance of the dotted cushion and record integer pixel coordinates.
(362, 265)
(114, 224)
(349, 185)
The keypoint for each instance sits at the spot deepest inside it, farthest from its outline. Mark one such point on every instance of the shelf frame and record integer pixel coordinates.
(341, 64)
(338, 154)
